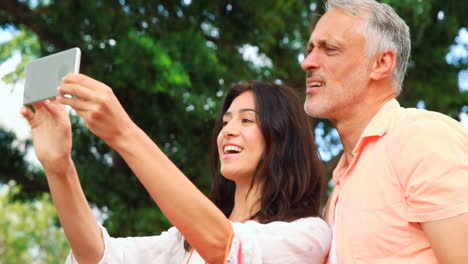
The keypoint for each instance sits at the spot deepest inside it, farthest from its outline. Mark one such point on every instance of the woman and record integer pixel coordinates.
(266, 188)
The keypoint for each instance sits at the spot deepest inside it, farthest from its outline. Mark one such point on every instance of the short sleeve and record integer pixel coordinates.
(165, 248)
(430, 157)
(306, 240)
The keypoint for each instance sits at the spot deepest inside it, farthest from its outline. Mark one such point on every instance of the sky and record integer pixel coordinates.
(11, 100)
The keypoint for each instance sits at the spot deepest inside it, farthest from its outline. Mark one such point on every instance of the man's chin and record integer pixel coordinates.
(314, 110)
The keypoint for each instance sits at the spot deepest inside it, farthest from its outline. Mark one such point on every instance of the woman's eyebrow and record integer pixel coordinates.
(247, 110)
(229, 113)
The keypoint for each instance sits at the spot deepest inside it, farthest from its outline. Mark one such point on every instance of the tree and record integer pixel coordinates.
(29, 234)
(170, 61)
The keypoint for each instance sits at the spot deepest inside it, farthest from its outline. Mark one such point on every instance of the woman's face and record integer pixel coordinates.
(240, 141)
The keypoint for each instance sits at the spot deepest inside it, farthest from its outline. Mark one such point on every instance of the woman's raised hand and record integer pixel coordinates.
(51, 132)
(52, 137)
(96, 103)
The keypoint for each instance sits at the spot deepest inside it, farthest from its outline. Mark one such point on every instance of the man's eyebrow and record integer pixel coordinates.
(322, 42)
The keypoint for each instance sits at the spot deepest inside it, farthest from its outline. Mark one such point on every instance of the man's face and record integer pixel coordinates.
(336, 65)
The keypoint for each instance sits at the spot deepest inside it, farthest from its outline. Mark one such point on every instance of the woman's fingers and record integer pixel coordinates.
(27, 113)
(84, 88)
(76, 90)
(78, 104)
(38, 105)
(83, 80)
(43, 110)
(96, 103)
(55, 109)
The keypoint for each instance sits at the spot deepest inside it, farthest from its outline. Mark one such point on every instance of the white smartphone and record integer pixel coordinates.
(44, 75)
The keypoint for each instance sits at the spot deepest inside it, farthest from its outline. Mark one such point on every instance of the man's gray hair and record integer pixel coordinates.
(384, 30)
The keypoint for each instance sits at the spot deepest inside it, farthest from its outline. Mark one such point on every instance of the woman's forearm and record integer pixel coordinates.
(197, 218)
(75, 214)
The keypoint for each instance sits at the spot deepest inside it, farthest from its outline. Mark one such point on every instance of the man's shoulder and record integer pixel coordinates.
(421, 131)
(421, 144)
(422, 121)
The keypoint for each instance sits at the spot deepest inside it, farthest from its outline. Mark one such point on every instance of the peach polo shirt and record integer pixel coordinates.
(409, 166)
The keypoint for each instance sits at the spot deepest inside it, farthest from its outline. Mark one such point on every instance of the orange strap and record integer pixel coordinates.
(228, 244)
(190, 256)
(228, 247)
(239, 253)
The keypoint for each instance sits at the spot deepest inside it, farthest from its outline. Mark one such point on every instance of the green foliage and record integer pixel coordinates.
(27, 44)
(29, 232)
(430, 78)
(169, 64)
(13, 166)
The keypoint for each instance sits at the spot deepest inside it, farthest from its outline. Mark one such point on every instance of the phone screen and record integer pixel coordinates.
(44, 75)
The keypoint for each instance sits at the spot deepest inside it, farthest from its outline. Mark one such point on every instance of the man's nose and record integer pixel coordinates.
(311, 61)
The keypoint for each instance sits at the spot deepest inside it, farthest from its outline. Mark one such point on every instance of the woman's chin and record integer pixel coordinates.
(236, 175)
(229, 175)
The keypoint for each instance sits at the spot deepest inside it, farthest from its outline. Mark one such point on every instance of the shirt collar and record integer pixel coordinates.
(377, 127)
(380, 123)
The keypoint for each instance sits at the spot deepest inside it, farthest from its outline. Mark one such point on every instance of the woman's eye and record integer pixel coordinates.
(224, 123)
(245, 120)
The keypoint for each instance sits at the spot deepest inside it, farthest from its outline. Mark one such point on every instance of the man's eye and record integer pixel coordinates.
(330, 49)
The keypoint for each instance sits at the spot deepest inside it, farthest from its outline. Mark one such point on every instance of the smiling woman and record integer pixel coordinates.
(269, 120)
(267, 181)
(240, 142)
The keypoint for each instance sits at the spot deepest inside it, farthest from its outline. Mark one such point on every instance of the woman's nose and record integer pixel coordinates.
(231, 129)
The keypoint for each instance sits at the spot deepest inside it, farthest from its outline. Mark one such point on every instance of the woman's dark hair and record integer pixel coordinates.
(290, 170)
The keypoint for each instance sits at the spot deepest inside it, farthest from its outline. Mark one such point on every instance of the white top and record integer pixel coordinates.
(306, 240)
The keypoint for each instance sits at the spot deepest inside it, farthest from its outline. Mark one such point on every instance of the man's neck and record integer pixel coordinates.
(351, 127)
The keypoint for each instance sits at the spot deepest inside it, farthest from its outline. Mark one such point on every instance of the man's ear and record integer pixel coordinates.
(384, 63)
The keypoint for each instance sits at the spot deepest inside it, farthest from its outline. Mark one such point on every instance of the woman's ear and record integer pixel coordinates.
(384, 64)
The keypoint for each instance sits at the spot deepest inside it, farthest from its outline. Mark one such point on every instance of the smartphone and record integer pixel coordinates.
(44, 75)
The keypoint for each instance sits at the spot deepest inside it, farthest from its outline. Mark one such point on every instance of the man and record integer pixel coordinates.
(401, 192)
